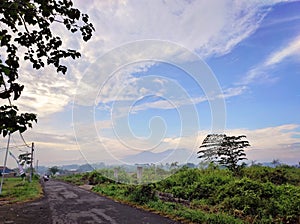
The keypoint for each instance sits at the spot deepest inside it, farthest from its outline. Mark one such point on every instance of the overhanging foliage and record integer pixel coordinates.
(26, 26)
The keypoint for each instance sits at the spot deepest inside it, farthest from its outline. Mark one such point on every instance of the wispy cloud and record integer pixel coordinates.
(45, 93)
(233, 91)
(118, 22)
(178, 102)
(270, 137)
(290, 50)
(182, 22)
(206, 27)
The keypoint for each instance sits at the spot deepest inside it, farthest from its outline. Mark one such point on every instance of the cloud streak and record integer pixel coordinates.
(118, 22)
(290, 50)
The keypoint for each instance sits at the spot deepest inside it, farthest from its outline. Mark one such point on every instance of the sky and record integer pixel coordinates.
(160, 75)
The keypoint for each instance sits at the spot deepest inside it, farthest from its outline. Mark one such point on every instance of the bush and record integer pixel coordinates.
(97, 178)
(261, 200)
(141, 194)
(261, 195)
(280, 175)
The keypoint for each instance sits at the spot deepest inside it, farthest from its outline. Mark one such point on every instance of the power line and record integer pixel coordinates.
(17, 145)
(24, 140)
(7, 149)
(12, 147)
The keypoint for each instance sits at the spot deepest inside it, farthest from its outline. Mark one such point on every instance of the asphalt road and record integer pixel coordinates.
(70, 204)
(64, 203)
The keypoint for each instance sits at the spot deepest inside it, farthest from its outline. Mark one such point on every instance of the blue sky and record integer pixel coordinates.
(156, 75)
(274, 95)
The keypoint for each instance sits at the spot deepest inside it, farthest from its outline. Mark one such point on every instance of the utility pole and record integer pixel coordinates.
(37, 167)
(139, 174)
(31, 162)
(4, 166)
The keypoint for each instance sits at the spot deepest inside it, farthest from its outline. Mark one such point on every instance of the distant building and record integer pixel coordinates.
(7, 172)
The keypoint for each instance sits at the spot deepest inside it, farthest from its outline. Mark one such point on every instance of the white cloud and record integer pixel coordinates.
(122, 85)
(210, 27)
(132, 94)
(177, 101)
(233, 91)
(289, 50)
(269, 137)
(268, 143)
(292, 49)
(45, 91)
(278, 142)
(207, 27)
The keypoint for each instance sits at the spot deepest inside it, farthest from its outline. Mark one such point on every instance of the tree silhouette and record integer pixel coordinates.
(26, 31)
(224, 150)
(210, 147)
(232, 151)
(53, 170)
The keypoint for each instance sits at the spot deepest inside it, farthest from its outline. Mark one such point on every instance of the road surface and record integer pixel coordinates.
(68, 204)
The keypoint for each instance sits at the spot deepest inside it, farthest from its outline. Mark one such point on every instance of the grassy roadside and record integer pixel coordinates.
(257, 195)
(142, 197)
(15, 190)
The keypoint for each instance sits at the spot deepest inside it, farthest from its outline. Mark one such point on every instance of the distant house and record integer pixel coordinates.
(7, 172)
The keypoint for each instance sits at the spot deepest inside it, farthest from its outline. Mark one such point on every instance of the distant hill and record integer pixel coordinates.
(167, 156)
(70, 167)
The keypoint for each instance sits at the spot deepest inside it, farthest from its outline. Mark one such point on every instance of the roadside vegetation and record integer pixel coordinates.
(16, 190)
(222, 191)
(213, 194)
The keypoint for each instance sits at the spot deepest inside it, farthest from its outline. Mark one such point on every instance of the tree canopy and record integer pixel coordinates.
(53, 170)
(232, 151)
(224, 150)
(210, 147)
(26, 34)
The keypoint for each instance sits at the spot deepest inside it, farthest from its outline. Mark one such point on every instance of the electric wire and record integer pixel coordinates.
(9, 138)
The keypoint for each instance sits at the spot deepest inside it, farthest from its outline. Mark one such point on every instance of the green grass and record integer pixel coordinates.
(76, 179)
(142, 196)
(15, 190)
(256, 195)
(183, 213)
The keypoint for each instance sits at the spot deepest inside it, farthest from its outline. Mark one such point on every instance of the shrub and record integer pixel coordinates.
(279, 175)
(141, 194)
(97, 178)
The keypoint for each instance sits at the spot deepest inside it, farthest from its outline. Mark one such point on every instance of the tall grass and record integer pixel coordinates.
(17, 190)
(257, 195)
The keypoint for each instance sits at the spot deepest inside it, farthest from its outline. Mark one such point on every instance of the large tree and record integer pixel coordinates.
(26, 34)
(231, 151)
(224, 150)
(53, 170)
(210, 147)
